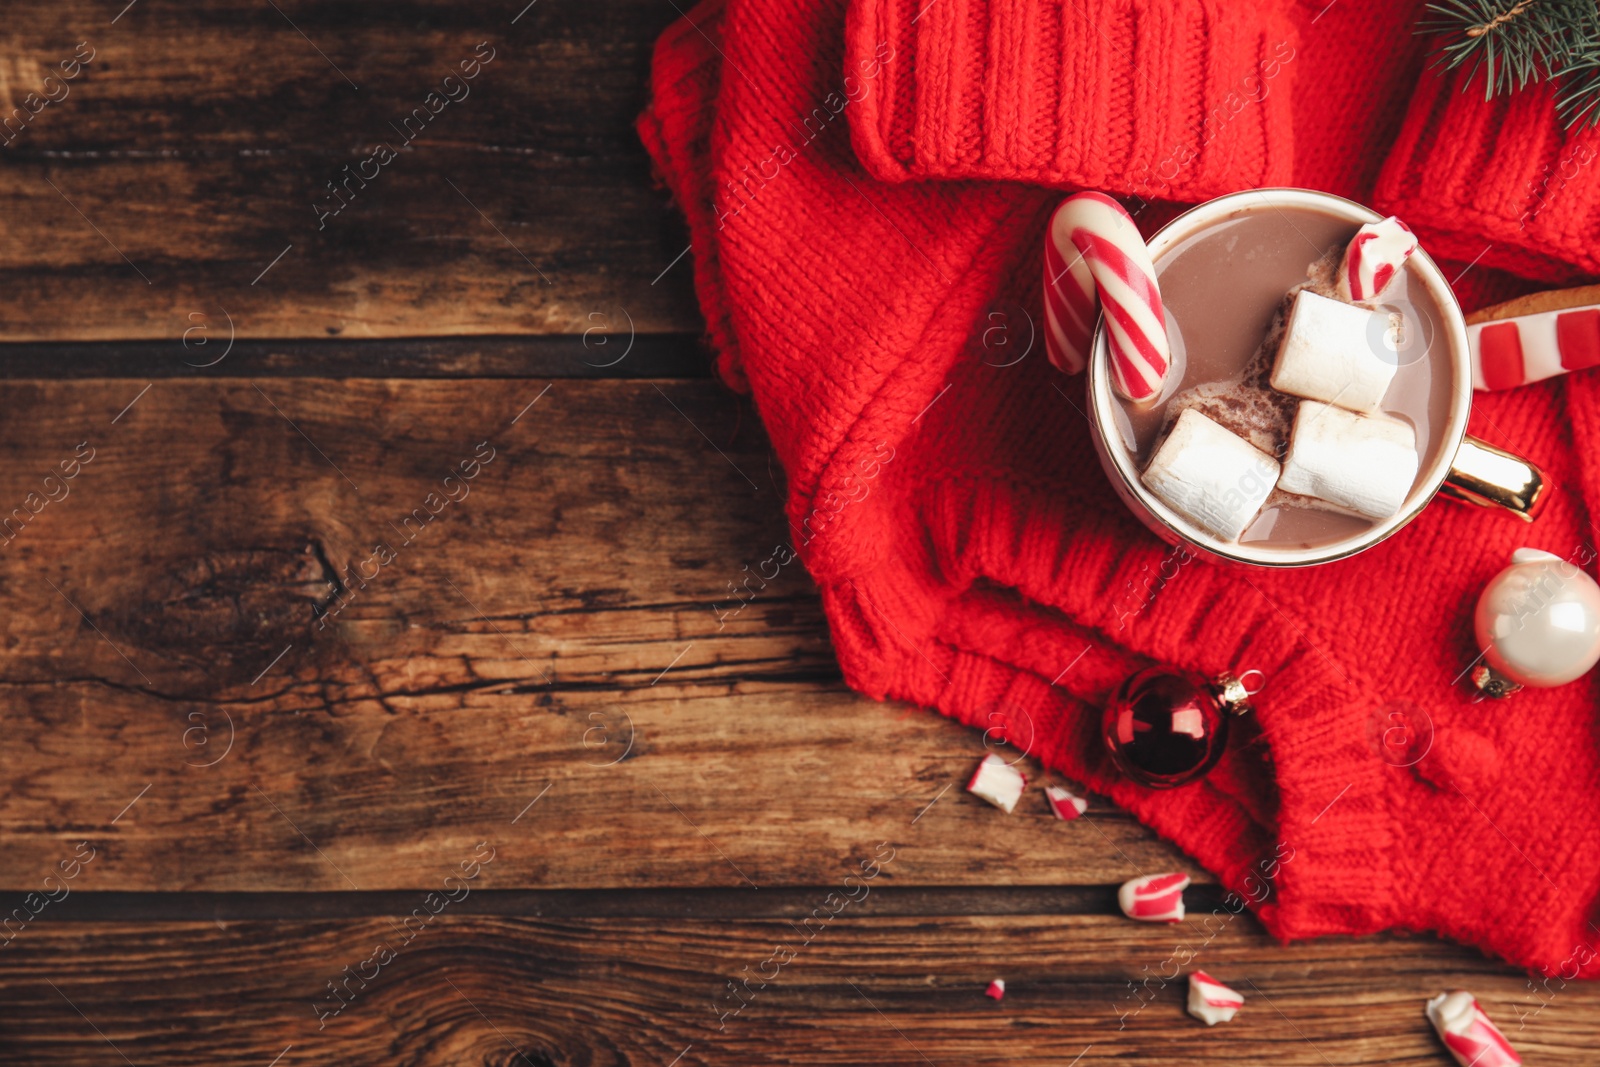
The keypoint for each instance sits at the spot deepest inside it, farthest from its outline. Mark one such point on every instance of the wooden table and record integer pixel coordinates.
(506, 790)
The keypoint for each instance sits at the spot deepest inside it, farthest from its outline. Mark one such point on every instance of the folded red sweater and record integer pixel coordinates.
(946, 497)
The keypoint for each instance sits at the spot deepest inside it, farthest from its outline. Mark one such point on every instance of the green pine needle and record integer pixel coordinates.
(1504, 40)
(1578, 99)
(1513, 43)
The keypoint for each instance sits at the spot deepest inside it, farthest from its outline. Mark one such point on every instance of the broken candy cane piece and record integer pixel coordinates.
(997, 989)
(1210, 1001)
(1096, 229)
(1336, 353)
(1154, 898)
(998, 782)
(1066, 804)
(1466, 1031)
(1365, 464)
(1374, 256)
(1211, 477)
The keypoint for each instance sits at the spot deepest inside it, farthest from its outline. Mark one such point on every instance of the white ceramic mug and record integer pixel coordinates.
(1464, 469)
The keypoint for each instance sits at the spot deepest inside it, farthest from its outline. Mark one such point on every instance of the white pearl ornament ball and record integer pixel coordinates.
(1538, 621)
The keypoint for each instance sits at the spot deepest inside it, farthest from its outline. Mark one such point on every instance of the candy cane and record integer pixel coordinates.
(1066, 804)
(1535, 337)
(998, 782)
(1069, 308)
(1372, 259)
(1466, 1031)
(1154, 898)
(1093, 239)
(1210, 1001)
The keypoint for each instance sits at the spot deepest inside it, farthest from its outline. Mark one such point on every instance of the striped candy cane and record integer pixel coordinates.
(1154, 898)
(1535, 337)
(1094, 249)
(1066, 804)
(1069, 308)
(1210, 1001)
(1372, 259)
(1466, 1031)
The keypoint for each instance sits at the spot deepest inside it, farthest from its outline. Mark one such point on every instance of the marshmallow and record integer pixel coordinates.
(1365, 464)
(1373, 258)
(997, 989)
(998, 782)
(1210, 1001)
(1466, 1031)
(1210, 476)
(1154, 898)
(1066, 804)
(1335, 352)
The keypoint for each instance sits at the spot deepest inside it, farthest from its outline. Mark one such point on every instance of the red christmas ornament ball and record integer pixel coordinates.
(1166, 728)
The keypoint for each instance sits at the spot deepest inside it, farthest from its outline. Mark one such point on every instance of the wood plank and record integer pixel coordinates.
(867, 987)
(191, 150)
(605, 351)
(604, 903)
(555, 630)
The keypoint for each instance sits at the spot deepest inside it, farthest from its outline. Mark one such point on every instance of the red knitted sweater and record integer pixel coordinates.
(866, 182)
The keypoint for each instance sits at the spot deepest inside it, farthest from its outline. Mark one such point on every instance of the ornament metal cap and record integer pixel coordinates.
(1232, 694)
(1491, 683)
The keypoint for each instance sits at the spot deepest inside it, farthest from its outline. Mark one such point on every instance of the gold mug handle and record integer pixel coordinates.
(1491, 477)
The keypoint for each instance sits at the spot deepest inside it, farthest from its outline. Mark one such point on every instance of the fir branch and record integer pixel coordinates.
(1513, 43)
(1499, 22)
(1578, 71)
(1506, 41)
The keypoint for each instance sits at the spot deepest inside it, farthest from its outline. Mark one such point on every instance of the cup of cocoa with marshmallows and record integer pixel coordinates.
(1315, 394)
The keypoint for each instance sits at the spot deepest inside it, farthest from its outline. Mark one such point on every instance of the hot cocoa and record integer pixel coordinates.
(1335, 405)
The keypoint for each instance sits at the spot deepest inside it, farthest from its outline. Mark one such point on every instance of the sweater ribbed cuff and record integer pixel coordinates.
(1165, 99)
(1020, 627)
(1496, 182)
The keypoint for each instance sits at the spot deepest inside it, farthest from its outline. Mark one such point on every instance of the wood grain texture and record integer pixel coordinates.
(867, 987)
(189, 152)
(567, 626)
(607, 350)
